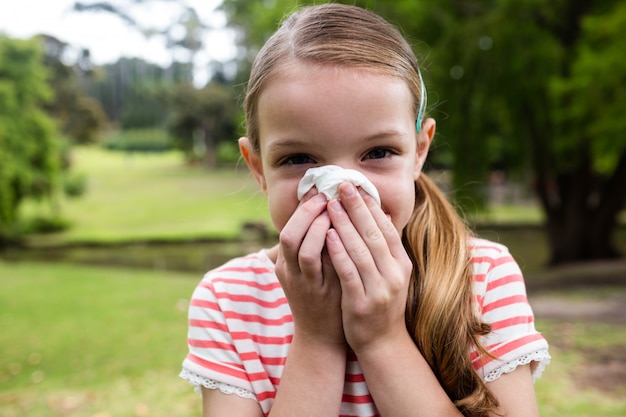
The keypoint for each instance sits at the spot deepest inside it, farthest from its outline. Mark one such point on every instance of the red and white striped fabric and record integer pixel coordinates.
(240, 329)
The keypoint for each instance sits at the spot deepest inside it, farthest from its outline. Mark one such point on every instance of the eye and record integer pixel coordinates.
(379, 153)
(298, 159)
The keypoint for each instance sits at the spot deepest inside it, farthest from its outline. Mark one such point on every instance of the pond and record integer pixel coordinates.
(194, 256)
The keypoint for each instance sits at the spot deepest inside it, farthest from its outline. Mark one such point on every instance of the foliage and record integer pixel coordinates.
(45, 225)
(79, 116)
(228, 152)
(133, 92)
(599, 75)
(143, 106)
(139, 140)
(534, 88)
(203, 118)
(74, 184)
(29, 152)
(183, 35)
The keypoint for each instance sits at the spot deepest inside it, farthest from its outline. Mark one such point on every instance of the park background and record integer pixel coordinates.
(121, 184)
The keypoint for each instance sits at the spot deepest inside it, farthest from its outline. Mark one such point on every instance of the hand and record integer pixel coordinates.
(307, 276)
(373, 268)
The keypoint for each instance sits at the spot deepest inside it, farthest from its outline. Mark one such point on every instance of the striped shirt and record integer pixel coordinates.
(240, 329)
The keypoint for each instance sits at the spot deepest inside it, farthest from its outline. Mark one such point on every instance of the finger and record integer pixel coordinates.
(349, 278)
(310, 253)
(329, 275)
(361, 216)
(309, 194)
(386, 226)
(353, 242)
(294, 231)
(370, 241)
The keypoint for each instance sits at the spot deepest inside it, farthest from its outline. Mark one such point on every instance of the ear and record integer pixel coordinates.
(253, 160)
(424, 139)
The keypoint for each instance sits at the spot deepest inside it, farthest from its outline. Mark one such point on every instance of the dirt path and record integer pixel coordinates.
(555, 307)
(589, 294)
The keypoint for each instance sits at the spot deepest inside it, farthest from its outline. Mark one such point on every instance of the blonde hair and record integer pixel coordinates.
(440, 312)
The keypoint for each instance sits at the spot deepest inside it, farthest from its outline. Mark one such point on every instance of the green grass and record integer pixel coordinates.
(84, 341)
(564, 389)
(156, 196)
(509, 214)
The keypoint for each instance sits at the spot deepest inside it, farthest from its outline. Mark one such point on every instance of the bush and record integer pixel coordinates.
(74, 184)
(140, 140)
(46, 224)
(228, 152)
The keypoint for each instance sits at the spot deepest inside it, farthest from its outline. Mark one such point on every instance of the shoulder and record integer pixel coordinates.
(252, 274)
(496, 274)
(491, 260)
(254, 267)
(256, 263)
(483, 250)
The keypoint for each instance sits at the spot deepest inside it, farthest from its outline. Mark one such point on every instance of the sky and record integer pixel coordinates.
(108, 37)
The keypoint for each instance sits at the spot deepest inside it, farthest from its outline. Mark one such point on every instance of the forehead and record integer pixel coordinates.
(335, 80)
(315, 101)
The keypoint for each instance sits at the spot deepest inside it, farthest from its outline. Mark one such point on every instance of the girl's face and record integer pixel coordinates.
(313, 115)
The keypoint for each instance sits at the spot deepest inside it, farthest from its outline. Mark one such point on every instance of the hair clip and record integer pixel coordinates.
(423, 99)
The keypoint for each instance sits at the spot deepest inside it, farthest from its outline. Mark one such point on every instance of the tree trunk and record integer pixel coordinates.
(210, 145)
(582, 213)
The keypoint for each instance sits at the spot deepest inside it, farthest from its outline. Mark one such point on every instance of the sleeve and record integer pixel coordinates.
(502, 302)
(212, 360)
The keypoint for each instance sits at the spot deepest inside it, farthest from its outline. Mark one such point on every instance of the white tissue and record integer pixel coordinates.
(327, 179)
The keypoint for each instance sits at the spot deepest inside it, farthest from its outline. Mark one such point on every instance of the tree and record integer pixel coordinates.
(198, 118)
(541, 97)
(534, 86)
(133, 91)
(202, 119)
(184, 35)
(29, 153)
(80, 117)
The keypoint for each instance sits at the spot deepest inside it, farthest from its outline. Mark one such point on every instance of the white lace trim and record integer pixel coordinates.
(197, 381)
(540, 357)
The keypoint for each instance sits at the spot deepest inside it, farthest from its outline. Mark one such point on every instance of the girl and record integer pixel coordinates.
(360, 309)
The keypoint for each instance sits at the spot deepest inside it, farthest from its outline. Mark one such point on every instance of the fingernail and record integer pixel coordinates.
(320, 197)
(349, 190)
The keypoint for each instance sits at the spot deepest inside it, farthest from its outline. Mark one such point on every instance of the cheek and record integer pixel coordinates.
(399, 202)
(279, 213)
(282, 204)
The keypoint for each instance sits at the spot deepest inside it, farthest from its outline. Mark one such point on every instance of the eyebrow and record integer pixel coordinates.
(385, 134)
(281, 144)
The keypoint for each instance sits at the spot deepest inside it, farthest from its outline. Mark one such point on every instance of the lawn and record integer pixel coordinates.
(82, 341)
(155, 196)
